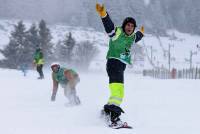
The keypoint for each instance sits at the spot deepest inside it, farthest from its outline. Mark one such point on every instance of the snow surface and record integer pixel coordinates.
(152, 106)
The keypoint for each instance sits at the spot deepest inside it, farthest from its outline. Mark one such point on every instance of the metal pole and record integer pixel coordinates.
(151, 54)
(169, 57)
(190, 60)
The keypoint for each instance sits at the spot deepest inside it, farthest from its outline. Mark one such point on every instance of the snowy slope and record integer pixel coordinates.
(182, 45)
(152, 106)
(180, 49)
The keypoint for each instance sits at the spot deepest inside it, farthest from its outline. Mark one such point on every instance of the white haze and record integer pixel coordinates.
(146, 2)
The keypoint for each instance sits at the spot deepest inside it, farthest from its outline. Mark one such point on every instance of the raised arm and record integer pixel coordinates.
(107, 22)
(139, 34)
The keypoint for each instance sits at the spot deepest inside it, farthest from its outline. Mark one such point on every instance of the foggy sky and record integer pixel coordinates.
(155, 15)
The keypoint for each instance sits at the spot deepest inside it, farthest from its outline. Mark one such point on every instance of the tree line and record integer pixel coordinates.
(23, 42)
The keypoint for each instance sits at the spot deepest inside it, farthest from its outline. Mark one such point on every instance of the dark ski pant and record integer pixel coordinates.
(115, 70)
(39, 70)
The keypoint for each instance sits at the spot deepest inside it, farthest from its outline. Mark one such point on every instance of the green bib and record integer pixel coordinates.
(60, 77)
(120, 46)
(38, 58)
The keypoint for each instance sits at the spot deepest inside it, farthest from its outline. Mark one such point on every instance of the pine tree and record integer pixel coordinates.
(65, 49)
(10, 52)
(33, 36)
(45, 40)
(15, 52)
(33, 40)
(69, 42)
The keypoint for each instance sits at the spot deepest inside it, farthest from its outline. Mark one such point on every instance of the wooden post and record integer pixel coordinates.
(187, 74)
(199, 73)
(192, 73)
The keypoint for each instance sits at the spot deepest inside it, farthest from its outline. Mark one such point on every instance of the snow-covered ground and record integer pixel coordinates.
(152, 106)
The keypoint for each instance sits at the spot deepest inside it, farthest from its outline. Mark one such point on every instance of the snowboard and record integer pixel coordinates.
(119, 125)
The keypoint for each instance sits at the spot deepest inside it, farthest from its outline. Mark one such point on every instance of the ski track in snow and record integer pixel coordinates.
(151, 106)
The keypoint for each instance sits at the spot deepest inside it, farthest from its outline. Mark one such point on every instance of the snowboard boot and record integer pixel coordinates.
(114, 112)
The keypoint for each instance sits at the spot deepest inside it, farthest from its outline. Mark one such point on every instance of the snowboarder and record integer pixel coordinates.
(118, 55)
(39, 62)
(68, 79)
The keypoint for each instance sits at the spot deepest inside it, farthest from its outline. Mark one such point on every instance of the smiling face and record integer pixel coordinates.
(129, 28)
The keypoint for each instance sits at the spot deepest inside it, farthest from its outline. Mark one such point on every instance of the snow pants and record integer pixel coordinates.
(70, 92)
(39, 70)
(115, 70)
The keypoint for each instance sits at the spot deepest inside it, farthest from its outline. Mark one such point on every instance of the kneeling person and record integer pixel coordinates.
(68, 80)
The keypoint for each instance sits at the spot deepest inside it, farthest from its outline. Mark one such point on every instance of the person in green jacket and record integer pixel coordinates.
(118, 56)
(39, 62)
(68, 79)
